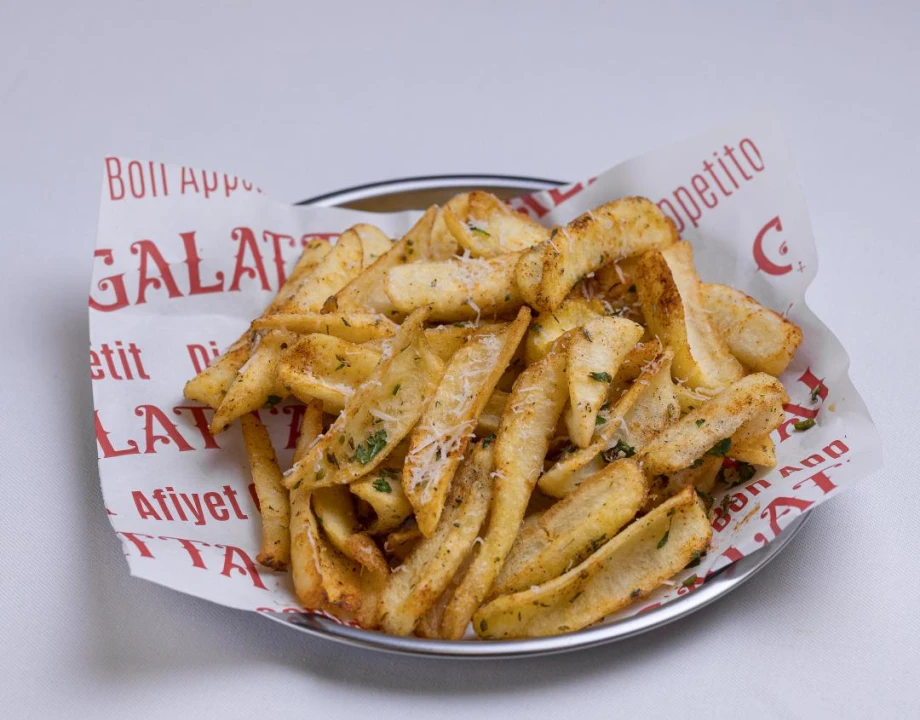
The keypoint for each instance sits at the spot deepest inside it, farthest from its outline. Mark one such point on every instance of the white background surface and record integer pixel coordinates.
(305, 98)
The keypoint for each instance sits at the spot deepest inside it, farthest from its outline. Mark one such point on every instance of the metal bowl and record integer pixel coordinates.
(414, 193)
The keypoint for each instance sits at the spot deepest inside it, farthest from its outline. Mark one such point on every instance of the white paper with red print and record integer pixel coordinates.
(185, 259)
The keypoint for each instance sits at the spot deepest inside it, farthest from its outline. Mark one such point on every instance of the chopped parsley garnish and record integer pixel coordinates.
(382, 485)
(396, 388)
(700, 422)
(720, 448)
(695, 558)
(620, 450)
(816, 393)
(365, 452)
(597, 542)
(803, 425)
(480, 231)
(690, 581)
(272, 400)
(697, 463)
(605, 406)
(707, 499)
(600, 420)
(487, 440)
(320, 474)
(346, 323)
(667, 533)
(535, 328)
(601, 376)
(340, 365)
(331, 458)
(437, 454)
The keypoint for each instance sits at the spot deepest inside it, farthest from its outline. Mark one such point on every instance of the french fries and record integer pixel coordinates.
(428, 570)
(609, 233)
(488, 227)
(521, 443)
(457, 289)
(593, 358)
(477, 359)
(626, 568)
(439, 441)
(671, 298)
(764, 341)
(574, 527)
(378, 415)
(709, 428)
(273, 500)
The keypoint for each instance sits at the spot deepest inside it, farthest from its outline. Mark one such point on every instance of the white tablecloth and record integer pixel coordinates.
(306, 98)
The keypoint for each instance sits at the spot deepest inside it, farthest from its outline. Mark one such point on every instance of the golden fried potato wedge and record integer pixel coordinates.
(256, 382)
(383, 492)
(489, 227)
(456, 289)
(416, 584)
(594, 357)
(574, 527)
(756, 451)
(354, 327)
(530, 419)
(334, 510)
(709, 428)
(548, 327)
(439, 441)
(374, 243)
(647, 407)
(630, 566)
(623, 228)
(365, 293)
(761, 339)
(305, 567)
(702, 478)
(378, 416)
(672, 302)
(334, 271)
(327, 368)
(273, 498)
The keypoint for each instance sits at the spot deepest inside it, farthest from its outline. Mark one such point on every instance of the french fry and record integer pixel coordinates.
(374, 243)
(456, 289)
(273, 499)
(378, 416)
(647, 407)
(530, 418)
(620, 229)
(709, 428)
(594, 357)
(383, 492)
(256, 382)
(672, 302)
(761, 339)
(489, 227)
(439, 441)
(326, 367)
(418, 582)
(335, 512)
(212, 383)
(305, 568)
(548, 327)
(365, 292)
(630, 566)
(756, 451)
(574, 527)
(354, 327)
(333, 272)
(701, 478)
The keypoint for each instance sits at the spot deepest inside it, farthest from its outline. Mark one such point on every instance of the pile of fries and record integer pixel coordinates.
(506, 425)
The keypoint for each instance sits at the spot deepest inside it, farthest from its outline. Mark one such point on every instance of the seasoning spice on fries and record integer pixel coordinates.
(524, 425)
